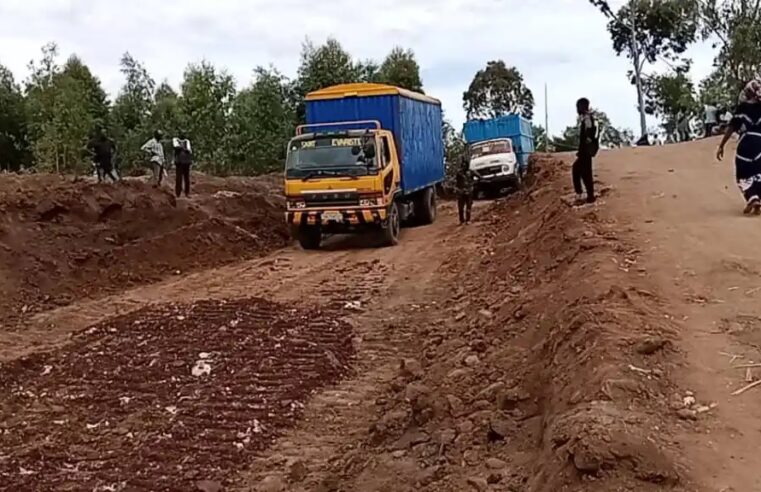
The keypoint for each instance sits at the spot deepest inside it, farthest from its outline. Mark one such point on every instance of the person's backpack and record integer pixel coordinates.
(182, 154)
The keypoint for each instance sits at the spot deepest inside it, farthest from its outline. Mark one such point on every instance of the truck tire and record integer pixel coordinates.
(310, 237)
(426, 207)
(393, 226)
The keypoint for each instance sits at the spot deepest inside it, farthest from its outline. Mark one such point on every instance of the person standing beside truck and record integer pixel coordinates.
(589, 145)
(464, 187)
(183, 160)
(103, 150)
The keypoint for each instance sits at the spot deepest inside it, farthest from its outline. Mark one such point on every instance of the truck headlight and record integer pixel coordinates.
(506, 169)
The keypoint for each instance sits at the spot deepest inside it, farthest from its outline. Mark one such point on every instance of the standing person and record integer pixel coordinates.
(155, 151)
(589, 145)
(747, 121)
(464, 186)
(710, 119)
(103, 150)
(183, 160)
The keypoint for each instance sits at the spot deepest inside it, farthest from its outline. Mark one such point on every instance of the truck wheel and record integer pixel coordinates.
(393, 226)
(427, 207)
(310, 237)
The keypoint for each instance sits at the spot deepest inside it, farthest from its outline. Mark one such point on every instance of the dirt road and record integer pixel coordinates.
(684, 209)
(542, 348)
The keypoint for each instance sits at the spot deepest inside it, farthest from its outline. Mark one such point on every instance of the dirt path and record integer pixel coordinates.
(685, 211)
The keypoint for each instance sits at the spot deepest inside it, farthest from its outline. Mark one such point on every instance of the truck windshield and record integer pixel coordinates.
(333, 155)
(491, 148)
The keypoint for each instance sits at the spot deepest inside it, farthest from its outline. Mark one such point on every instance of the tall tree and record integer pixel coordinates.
(648, 30)
(400, 68)
(261, 123)
(325, 66)
(64, 105)
(735, 28)
(14, 140)
(496, 91)
(207, 95)
(670, 97)
(130, 117)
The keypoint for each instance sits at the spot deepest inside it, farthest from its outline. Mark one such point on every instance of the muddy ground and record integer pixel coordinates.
(545, 347)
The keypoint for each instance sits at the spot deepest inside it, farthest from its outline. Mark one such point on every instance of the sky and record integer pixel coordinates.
(561, 43)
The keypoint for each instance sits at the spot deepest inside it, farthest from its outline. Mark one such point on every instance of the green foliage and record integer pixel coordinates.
(64, 106)
(540, 137)
(671, 97)
(664, 28)
(400, 68)
(325, 66)
(207, 96)
(261, 123)
(735, 28)
(610, 136)
(454, 150)
(130, 117)
(14, 144)
(496, 91)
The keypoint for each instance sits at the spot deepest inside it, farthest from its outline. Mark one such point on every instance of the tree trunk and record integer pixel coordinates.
(638, 79)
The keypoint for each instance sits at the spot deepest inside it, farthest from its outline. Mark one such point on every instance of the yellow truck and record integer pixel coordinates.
(367, 161)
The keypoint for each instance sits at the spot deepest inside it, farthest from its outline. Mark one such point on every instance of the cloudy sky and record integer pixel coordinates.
(559, 42)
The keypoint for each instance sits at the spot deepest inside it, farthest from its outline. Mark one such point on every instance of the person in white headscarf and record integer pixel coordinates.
(746, 121)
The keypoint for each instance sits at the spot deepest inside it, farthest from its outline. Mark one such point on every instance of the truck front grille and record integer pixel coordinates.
(487, 171)
(331, 199)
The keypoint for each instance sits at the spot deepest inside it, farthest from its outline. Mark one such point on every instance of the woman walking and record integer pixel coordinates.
(746, 121)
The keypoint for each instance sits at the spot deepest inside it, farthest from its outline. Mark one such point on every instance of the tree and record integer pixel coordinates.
(610, 136)
(496, 91)
(454, 149)
(368, 71)
(400, 68)
(207, 95)
(261, 123)
(64, 105)
(14, 140)
(671, 97)
(540, 137)
(735, 27)
(130, 117)
(648, 30)
(165, 115)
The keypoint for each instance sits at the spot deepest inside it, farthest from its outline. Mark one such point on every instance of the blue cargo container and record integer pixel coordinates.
(513, 126)
(414, 119)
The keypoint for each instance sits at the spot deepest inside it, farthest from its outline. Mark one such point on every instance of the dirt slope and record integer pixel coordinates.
(685, 210)
(542, 348)
(61, 242)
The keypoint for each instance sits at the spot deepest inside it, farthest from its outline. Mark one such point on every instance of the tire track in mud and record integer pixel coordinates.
(167, 396)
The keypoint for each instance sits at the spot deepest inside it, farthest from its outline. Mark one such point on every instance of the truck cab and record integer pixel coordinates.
(495, 164)
(341, 181)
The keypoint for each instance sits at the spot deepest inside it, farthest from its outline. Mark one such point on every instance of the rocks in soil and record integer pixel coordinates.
(495, 464)
(651, 345)
(479, 484)
(491, 391)
(297, 472)
(208, 486)
(494, 478)
(411, 369)
(500, 428)
(272, 483)
(687, 414)
(456, 406)
(471, 360)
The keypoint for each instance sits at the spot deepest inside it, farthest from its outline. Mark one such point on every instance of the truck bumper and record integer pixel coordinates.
(494, 179)
(339, 220)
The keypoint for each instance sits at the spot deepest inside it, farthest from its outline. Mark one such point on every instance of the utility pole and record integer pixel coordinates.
(638, 71)
(546, 120)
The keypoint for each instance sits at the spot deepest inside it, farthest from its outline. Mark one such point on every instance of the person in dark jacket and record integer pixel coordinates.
(464, 187)
(183, 160)
(589, 145)
(103, 150)
(746, 121)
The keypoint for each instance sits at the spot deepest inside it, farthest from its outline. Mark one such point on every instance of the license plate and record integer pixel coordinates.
(332, 217)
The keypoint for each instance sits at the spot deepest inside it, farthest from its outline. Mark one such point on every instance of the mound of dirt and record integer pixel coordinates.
(172, 397)
(548, 370)
(62, 241)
